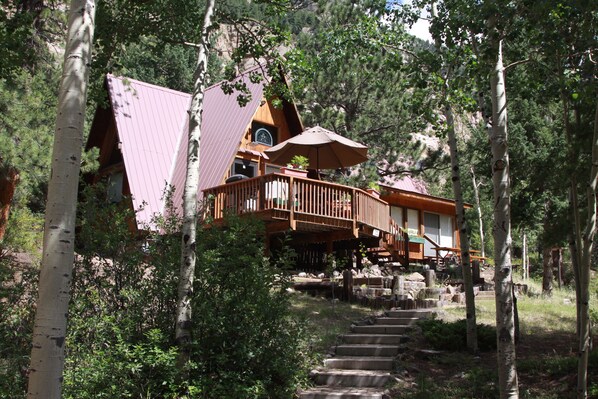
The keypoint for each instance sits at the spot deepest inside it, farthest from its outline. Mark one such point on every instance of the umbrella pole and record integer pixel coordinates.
(318, 163)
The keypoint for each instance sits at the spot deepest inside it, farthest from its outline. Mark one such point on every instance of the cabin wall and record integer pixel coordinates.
(248, 159)
(267, 114)
(422, 217)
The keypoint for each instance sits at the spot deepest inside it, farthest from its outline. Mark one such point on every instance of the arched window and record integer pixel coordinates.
(264, 134)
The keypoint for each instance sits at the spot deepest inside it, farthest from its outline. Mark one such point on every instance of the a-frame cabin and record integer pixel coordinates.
(142, 137)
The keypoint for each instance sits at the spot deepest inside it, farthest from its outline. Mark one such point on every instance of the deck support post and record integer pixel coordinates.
(406, 238)
(348, 285)
(475, 269)
(430, 278)
(329, 247)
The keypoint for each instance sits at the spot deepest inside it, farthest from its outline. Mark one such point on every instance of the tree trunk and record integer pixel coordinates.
(476, 194)
(557, 264)
(524, 264)
(9, 178)
(505, 328)
(47, 353)
(187, 270)
(583, 302)
(472, 336)
(547, 272)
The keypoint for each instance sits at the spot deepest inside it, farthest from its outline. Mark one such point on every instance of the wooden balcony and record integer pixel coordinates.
(316, 208)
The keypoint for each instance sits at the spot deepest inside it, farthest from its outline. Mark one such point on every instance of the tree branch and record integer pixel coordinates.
(376, 130)
(400, 49)
(513, 64)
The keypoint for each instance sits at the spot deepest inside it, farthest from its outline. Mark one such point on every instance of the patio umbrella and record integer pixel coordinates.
(323, 148)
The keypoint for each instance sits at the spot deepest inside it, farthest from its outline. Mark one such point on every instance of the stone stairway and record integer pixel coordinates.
(364, 360)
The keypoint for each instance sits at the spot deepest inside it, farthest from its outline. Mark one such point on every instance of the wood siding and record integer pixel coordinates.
(268, 115)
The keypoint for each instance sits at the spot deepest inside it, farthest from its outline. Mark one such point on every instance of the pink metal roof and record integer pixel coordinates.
(149, 120)
(152, 124)
(405, 183)
(223, 126)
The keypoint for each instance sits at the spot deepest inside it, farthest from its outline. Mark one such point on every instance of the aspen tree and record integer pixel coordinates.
(190, 208)
(49, 331)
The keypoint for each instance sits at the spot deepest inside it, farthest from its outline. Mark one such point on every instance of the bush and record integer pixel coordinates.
(120, 335)
(24, 232)
(121, 316)
(120, 339)
(246, 342)
(18, 290)
(453, 336)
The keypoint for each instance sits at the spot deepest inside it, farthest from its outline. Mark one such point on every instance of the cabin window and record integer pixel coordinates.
(432, 230)
(115, 187)
(264, 134)
(440, 229)
(413, 221)
(397, 215)
(272, 169)
(447, 231)
(244, 167)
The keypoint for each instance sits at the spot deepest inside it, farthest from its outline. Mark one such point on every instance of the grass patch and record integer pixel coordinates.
(476, 382)
(452, 336)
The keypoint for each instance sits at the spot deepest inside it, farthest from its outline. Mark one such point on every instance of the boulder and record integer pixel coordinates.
(415, 277)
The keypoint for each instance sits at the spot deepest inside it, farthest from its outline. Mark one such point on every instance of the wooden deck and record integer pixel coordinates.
(302, 205)
(318, 212)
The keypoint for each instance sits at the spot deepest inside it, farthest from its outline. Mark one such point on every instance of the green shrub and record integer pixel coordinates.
(18, 290)
(23, 232)
(120, 334)
(452, 336)
(247, 345)
(121, 316)
(120, 340)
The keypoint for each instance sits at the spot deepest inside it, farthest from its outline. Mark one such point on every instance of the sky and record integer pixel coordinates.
(421, 28)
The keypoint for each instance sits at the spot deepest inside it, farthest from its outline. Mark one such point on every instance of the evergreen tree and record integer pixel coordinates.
(359, 82)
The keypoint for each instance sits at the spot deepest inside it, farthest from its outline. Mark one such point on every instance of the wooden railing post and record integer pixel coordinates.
(261, 195)
(290, 204)
(354, 212)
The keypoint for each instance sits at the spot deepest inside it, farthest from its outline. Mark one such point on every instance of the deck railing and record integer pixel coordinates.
(396, 239)
(298, 196)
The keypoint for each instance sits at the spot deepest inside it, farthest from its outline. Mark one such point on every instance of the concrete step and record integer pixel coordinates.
(351, 378)
(382, 339)
(397, 321)
(342, 393)
(367, 350)
(380, 329)
(359, 363)
(409, 313)
(485, 295)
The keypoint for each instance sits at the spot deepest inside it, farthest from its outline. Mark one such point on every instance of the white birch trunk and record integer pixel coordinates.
(472, 335)
(505, 323)
(583, 302)
(187, 270)
(476, 194)
(47, 353)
